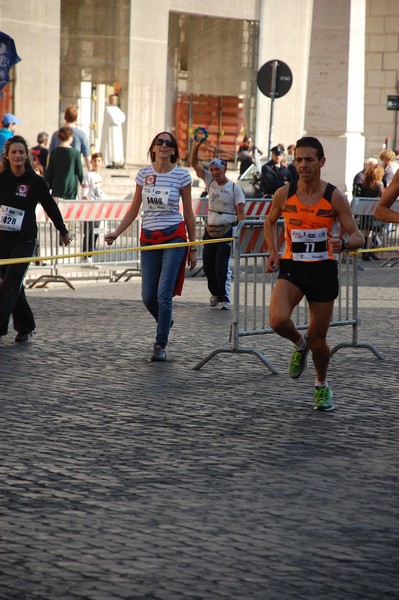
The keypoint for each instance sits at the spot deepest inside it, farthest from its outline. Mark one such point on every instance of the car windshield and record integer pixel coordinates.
(248, 174)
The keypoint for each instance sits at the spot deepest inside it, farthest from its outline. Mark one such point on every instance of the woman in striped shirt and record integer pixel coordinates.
(159, 187)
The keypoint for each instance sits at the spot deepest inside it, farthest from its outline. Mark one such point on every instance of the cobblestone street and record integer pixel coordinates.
(126, 479)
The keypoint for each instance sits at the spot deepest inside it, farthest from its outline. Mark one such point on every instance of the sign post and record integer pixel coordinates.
(274, 80)
(393, 104)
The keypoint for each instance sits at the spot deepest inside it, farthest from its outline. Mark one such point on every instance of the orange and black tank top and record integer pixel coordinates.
(307, 228)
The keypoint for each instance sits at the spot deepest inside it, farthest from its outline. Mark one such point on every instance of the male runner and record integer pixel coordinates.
(308, 266)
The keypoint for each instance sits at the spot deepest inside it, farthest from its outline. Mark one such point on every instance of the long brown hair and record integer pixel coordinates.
(373, 175)
(173, 157)
(15, 139)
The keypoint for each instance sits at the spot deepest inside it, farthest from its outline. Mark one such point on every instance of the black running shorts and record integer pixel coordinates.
(317, 280)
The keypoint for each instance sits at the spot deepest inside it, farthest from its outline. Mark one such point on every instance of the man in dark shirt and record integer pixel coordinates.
(246, 154)
(40, 152)
(275, 174)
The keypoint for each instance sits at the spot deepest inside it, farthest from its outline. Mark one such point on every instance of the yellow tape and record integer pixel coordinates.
(391, 249)
(28, 259)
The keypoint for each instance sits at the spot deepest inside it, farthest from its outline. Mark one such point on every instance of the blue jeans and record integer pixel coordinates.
(159, 270)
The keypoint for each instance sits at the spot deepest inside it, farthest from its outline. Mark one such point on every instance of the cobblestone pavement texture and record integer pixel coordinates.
(126, 479)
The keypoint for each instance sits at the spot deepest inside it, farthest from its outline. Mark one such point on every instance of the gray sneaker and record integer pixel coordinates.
(159, 354)
(225, 305)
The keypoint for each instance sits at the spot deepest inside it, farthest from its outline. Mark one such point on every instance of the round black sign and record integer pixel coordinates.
(283, 78)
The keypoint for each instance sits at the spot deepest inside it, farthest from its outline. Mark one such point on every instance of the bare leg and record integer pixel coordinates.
(320, 317)
(285, 298)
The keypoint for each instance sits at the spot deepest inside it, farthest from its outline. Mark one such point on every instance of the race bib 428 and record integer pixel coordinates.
(11, 218)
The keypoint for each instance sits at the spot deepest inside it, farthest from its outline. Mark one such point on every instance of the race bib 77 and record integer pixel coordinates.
(309, 244)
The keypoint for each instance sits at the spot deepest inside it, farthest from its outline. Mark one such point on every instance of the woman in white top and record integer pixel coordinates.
(388, 158)
(159, 187)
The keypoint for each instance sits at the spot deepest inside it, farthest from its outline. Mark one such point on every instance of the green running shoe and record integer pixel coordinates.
(323, 398)
(298, 362)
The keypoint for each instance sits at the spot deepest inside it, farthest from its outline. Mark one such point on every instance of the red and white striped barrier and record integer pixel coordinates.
(253, 208)
(258, 208)
(252, 240)
(110, 210)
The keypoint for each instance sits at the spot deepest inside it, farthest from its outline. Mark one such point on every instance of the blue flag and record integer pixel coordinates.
(8, 58)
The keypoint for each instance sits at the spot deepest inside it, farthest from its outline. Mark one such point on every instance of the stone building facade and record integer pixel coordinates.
(344, 57)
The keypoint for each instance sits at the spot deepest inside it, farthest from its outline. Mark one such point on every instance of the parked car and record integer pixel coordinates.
(249, 181)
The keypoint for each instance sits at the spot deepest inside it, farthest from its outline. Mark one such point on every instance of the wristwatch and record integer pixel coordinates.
(344, 247)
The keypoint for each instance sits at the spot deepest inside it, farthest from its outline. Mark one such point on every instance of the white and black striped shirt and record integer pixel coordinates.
(172, 184)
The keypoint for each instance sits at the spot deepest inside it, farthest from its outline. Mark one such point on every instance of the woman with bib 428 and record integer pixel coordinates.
(159, 187)
(21, 189)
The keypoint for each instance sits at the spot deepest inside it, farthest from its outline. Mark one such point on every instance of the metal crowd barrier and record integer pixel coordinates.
(377, 234)
(84, 219)
(253, 288)
(104, 217)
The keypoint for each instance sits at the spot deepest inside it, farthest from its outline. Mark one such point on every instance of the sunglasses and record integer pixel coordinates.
(168, 143)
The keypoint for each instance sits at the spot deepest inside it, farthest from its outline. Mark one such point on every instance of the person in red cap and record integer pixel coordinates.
(8, 121)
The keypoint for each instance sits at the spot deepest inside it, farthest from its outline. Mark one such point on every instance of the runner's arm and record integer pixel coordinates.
(275, 213)
(383, 211)
(129, 217)
(190, 224)
(342, 209)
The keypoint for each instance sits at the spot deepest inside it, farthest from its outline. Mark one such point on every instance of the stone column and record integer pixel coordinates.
(148, 55)
(284, 34)
(335, 96)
